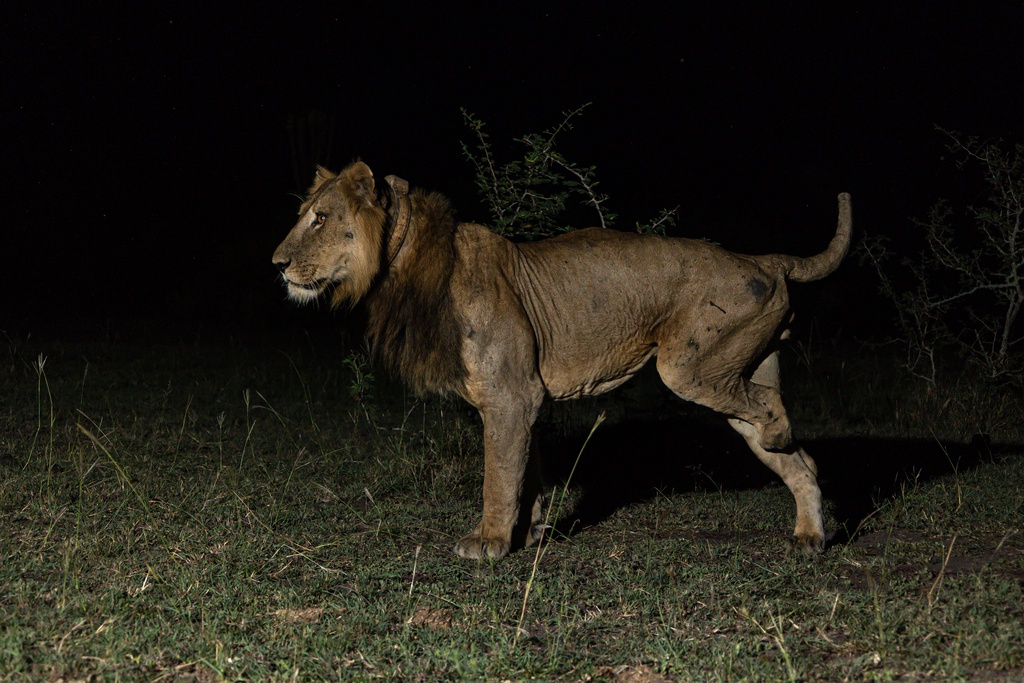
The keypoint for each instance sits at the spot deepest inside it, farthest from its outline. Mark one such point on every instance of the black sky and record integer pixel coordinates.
(146, 164)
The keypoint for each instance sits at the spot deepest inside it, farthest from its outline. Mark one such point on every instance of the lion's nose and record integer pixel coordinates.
(282, 264)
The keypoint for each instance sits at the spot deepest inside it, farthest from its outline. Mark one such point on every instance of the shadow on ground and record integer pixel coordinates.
(632, 461)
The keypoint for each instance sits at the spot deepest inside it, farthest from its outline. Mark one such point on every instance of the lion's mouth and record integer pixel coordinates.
(305, 291)
(315, 286)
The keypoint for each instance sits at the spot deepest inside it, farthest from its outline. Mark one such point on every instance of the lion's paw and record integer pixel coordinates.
(476, 547)
(808, 544)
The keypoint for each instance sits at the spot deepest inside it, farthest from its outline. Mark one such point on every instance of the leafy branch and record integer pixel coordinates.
(527, 196)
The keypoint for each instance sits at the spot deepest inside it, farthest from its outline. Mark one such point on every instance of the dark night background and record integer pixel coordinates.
(146, 173)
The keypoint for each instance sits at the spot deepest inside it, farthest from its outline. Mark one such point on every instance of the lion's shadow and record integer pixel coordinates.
(635, 460)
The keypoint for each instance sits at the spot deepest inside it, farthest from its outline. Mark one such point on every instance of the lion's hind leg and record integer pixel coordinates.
(795, 467)
(715, 380)
(799, 472)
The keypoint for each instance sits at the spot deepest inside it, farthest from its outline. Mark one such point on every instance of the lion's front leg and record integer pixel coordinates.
(507, 432)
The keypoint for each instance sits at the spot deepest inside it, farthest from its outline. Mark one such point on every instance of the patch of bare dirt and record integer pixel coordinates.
(309, 615)
(631, 674)
(431, 618)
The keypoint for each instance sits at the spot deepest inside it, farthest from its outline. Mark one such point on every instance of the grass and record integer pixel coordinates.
(173, 513)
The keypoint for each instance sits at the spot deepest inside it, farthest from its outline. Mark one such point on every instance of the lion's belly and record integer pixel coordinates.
(575, 373)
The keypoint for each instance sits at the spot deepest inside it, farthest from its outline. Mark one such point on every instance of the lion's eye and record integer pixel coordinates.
(320, 218)
(349, 235)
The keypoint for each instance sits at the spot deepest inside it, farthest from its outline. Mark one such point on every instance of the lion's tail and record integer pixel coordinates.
(821, 265)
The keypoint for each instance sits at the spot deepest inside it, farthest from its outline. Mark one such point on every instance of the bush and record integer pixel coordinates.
(965, 286)
(528, 197)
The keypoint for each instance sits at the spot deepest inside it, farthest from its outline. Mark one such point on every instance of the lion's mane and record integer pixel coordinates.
(412, 326)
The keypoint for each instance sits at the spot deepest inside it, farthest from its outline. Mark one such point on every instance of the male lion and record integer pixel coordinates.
(454, 308)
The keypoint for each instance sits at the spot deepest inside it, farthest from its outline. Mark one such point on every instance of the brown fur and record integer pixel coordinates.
(412, 324)
(309, 256)
(455, 308)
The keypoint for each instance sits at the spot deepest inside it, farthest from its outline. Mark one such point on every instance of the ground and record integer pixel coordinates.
(218, 512)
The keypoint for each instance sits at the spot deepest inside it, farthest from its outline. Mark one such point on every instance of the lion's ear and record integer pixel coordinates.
(322, 176)
(362, 180)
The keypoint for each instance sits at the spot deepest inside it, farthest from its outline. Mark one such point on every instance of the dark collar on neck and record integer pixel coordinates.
(400, 210)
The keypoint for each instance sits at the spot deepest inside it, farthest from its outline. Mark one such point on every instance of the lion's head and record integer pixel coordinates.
(338, 239)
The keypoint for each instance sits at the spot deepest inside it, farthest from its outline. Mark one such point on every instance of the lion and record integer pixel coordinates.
(453, 308)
